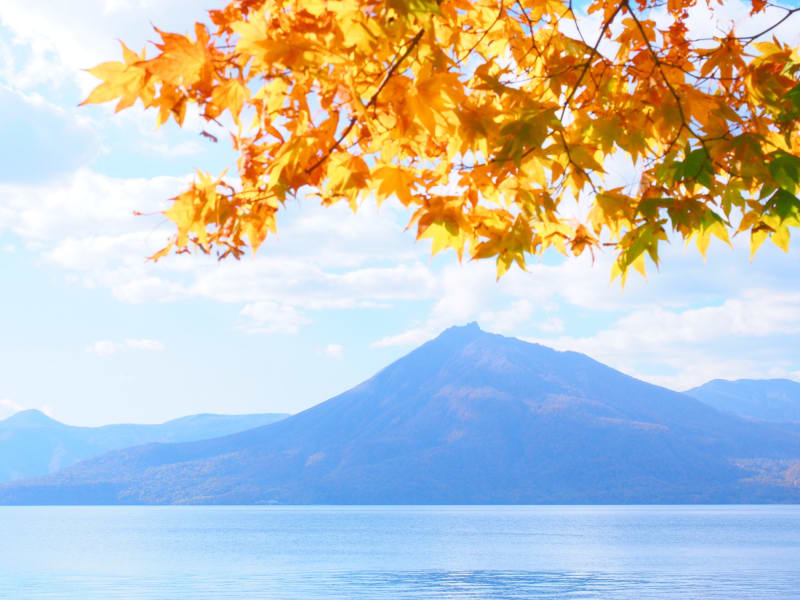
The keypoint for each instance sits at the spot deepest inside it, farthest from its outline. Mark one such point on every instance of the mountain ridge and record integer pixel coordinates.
(34, 444)
(759, 399)
(467, 418)
(30, 418)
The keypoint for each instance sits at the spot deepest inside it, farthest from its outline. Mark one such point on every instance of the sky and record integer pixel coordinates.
(91, 333)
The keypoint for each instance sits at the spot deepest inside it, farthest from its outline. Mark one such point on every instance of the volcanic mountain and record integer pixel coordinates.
(467, 418)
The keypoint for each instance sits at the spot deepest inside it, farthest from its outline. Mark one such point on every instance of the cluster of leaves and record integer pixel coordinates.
(483, 117)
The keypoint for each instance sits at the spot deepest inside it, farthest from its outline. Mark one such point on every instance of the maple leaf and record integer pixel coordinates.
(126, 81)
(514, 103)
(180, 61)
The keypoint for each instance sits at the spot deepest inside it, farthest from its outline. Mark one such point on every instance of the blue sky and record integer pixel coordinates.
(92, 333)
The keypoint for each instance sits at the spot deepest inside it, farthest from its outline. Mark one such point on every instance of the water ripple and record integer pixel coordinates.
(377, 585)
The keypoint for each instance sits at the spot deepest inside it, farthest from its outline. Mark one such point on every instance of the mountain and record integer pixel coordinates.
(31, 443)
(468, 418)
(758, 399)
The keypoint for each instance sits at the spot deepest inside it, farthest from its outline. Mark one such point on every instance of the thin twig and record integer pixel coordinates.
(592, 54)
(485, 33)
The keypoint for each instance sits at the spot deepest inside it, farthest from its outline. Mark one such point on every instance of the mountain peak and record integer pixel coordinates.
(471, 326)
(30, 418)
(460, 334)
(470, 329)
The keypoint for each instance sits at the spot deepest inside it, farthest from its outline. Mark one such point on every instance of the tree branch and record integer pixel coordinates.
(752, 38)
(414, 41)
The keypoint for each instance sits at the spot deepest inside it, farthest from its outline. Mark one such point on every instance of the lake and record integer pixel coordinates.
(383, 552)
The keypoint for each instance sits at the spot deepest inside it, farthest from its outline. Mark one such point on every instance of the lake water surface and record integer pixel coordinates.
(397, 552)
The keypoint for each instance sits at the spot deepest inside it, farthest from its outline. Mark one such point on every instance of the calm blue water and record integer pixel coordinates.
(706, 552)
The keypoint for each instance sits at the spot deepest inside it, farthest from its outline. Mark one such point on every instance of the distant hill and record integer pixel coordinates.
(468, 418)
(32, 444)
(759, 399)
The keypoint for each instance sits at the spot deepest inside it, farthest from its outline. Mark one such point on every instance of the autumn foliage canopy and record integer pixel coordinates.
(492, 121)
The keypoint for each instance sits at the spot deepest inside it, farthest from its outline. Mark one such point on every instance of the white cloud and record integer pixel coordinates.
(551, 325)
(144, 344)
(411, 337)
(107, 347)
(464, 291)
(137, 285)
(745, 336)
(271, 317)
(102, 348)
(95, 253)
(85, 224)
(85, 204)
(334, 351)
(287, 281)
(756, 313)
(509, 319)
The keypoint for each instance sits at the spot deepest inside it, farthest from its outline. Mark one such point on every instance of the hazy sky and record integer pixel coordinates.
(92, 333)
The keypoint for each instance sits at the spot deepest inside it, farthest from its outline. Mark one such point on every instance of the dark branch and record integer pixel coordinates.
(752, 38)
